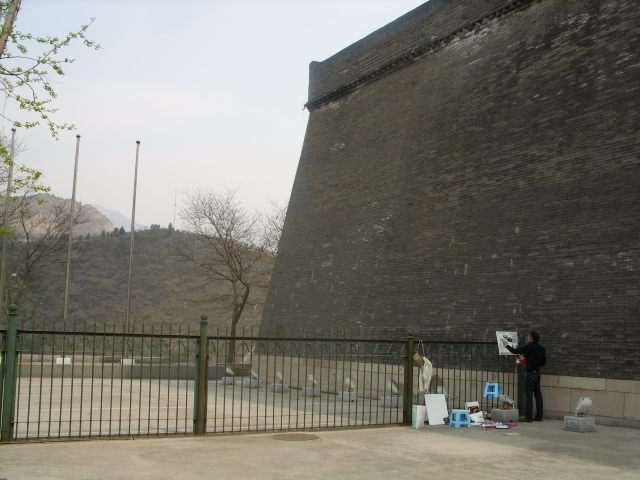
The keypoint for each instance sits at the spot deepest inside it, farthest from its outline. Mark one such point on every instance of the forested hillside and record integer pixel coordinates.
(162, 288)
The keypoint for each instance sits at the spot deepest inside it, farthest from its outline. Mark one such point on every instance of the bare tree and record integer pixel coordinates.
(226, 244)
(40, 234)
(273, 222)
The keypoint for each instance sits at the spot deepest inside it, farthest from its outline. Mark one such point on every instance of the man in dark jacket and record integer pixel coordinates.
(535, 355)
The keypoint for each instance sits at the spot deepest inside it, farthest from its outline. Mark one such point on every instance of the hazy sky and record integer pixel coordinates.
(213, 89)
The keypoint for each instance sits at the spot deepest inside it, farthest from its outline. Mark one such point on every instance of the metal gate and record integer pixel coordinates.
(158, 381)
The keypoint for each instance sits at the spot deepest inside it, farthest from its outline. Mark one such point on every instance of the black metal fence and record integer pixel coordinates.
(160, 381)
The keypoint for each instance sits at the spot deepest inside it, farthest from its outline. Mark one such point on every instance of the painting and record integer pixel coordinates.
(512, 341)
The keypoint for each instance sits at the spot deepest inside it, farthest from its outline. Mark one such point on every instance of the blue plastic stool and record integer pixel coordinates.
(492, 390)
(459, 418)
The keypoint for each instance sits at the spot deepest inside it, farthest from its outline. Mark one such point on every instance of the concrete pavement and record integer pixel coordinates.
(541, 451)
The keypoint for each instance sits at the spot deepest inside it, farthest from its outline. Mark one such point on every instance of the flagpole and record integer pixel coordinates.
(175, 205)
(133, 222)
(70, 243)
(6, 218)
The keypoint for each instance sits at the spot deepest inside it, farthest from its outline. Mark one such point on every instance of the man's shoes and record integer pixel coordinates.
(527, 420)
(537, 419)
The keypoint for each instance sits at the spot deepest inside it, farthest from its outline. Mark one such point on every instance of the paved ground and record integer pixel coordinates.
(541, 451)
(53, 408)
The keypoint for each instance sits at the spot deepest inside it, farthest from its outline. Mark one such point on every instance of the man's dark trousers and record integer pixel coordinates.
(531, 389)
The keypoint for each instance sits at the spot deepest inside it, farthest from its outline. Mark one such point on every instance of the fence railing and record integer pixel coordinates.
(171, 382)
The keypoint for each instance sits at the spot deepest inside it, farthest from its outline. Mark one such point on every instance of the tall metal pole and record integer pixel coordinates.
(73, 204)
(133, 222)
(175, 205)
(6, 219)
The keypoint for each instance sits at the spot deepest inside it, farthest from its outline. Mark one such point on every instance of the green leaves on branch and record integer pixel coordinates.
(26, 183)
(24, 77)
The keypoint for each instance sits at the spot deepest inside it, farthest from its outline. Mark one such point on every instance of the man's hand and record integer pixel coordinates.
(504, 342)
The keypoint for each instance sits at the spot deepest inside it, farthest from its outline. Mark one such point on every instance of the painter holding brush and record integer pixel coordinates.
(535, 356)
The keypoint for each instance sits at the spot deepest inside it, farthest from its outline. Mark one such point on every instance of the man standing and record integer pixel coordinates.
(535, 355)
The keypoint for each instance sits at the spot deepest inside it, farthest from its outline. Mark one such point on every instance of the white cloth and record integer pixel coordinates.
(424, 379)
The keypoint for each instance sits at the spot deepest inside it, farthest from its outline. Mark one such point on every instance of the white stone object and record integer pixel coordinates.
(393, 387)
(391, 402)
(228, 380)
(583, 406)
(350, 384)
(580, 424)
(347, 396)
(311, 392)
(506, 401)
(63, 361)
(128, 362)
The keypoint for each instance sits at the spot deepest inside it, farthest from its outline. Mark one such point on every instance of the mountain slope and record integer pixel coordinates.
(161, 288)
(118, 219)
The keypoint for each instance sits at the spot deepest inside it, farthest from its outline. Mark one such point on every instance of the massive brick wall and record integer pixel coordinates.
(491, 183)
(429, 21)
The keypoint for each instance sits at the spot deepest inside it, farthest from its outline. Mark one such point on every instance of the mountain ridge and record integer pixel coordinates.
(119, 219)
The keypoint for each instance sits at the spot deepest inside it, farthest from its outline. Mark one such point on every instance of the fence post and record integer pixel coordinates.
(521, 395)
(202, 374)
(521, 382)
(8, 390)
(408, 382)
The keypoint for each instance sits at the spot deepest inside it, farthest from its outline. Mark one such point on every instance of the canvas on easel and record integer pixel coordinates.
(436, 408)
(512, 341)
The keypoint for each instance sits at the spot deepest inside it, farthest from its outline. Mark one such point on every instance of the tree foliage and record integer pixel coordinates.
(26, 182)
(27, 63)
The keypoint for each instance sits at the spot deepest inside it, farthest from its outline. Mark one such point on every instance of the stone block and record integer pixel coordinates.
(632, 406)
(310, 392)
(548, 380)
(498, 415)
(605, 404)
(279, 388)
(228, 380)
(557, 399)
(391, 402)
(624, 386)
(250, 383)
(347, 396)
(584, 383)
(580, 424)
